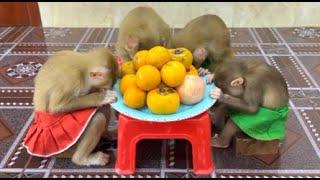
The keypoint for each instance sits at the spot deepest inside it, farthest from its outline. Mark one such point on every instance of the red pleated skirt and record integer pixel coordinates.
(51, 134)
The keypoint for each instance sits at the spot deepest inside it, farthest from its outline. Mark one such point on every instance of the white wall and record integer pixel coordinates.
(177, 14)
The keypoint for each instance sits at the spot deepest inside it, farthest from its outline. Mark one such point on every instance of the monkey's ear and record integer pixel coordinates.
(132, 42)
(237, 82)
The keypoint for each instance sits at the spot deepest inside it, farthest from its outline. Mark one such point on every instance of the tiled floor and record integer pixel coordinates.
(295, 52)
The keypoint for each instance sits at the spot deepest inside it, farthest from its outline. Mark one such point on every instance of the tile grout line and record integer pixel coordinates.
(306, 130)
(110, 37)
(106, 35)
(303, 88)
(309, 122)
(18, 170)
(154, 170)
(292, 57)
(187, 160)
(88, 36)
(275, 36)
(52, 43)
(25, 167)
(50, 166)
(31, 107)
(82, 38)
(251, 30)
(31, 54)
(15, 87)
(296, 58)
(255, 34)
(22, 36)
(17, 140)
(163, 158)
(5, 32)
(48, 54)
(275, 171)
(16, 107)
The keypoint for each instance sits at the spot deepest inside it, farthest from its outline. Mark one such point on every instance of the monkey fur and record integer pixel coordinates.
(207, 37)
(63, 85)
(141, 29)
(244, 86)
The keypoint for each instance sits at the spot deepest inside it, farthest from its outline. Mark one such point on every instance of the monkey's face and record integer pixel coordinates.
(200, 55)
(233, 87)
(104, 71)
(236, 91)
(228, 78)
(99, 77)
(130, 48)
(229, 82)
(104, 75)
(129, 53)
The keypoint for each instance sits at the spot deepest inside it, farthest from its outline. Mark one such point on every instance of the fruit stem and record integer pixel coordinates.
(164, 90)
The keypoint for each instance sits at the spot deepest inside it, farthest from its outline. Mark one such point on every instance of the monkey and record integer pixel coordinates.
(66, 109)
(208, 38)
(141, 29)
(256, 96)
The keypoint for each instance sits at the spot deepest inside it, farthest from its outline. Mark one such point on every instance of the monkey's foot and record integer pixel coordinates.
(218, 143)
(98, 158)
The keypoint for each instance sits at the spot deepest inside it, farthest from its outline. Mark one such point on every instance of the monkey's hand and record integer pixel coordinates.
(216, 93)
(108, 97)
(209, 78)
(203, 71)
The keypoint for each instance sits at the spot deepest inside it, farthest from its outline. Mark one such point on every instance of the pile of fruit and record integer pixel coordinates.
(161, 78)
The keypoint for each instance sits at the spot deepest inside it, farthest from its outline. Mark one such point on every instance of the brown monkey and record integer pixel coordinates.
(257, 97)
(208, 38)
(141, 29)
(65, 108)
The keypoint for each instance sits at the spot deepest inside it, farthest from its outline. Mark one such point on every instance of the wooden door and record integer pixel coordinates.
(19, 13)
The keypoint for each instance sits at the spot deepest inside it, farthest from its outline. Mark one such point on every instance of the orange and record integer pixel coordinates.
(127, 81)
(182, 55)
(148, 77)
(158, 56)
(134, 97)
(127, 68)
(139, 59)
(163, 100)
(173, 73)
(193, 71)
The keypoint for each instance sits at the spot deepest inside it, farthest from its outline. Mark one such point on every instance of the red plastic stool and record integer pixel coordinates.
(196, 130)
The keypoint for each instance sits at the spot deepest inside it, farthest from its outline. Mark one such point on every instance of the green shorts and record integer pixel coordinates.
(266, 125)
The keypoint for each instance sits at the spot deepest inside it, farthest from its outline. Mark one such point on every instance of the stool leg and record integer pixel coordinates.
(126, 157)
(201, 148)
(201, 155)
(126, 152)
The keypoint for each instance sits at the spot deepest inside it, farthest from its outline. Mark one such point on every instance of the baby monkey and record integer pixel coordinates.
(208, 38)
(66, 113)
(256, 95)
(141, 29)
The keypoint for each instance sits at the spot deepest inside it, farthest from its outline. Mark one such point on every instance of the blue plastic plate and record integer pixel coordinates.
(184, 112)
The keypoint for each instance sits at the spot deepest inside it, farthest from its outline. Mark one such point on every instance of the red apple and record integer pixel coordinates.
(192, 90)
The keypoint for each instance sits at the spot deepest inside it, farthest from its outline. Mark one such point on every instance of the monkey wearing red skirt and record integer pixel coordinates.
(66, 112)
